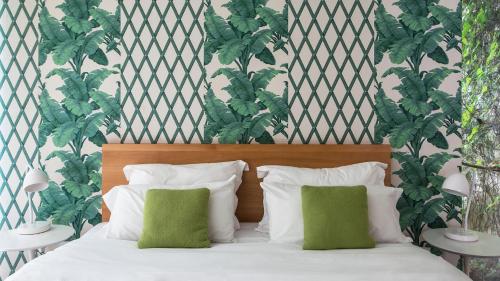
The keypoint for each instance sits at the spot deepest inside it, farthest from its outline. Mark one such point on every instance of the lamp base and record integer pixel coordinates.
(461, 234)
(33, 228)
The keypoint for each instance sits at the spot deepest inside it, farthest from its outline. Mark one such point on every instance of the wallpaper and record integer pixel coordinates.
(200, 71)
(19, 82)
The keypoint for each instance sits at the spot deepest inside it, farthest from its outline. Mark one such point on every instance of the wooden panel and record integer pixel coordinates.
(250, 209)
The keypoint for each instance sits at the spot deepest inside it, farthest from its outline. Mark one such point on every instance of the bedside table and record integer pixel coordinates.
(11, 241)
(488, 246)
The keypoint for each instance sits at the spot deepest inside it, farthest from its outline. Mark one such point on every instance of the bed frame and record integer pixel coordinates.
(250, 208)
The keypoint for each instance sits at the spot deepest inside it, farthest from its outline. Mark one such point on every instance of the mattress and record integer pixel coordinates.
(251, 257)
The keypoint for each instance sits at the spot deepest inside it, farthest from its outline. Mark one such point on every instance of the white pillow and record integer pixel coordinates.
(367, 173)
(187, 174)
(127, 209)
(286, 223)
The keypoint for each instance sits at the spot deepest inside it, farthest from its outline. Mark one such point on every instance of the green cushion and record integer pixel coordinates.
(175, 219)
(335, 218)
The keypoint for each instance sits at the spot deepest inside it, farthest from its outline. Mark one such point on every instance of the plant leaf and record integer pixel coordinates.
(66, 50)
(276, 105)
(439, 55)
(439, 141)
(109, 22)
(109, 104)
(231, 133)
(403, 48)
(64, 133)
(76, 189)
(244, 107)
(262, 77)
(402, 134)
(99, 57)
(276, 21)
(447, 103)
(449, 19)
(266, 56)
(388, 26)
(217, 27)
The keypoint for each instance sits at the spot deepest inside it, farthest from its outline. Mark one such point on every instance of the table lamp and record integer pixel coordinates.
(35, 180)
(457, 184)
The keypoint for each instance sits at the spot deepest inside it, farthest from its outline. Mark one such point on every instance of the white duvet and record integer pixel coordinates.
(94, 257)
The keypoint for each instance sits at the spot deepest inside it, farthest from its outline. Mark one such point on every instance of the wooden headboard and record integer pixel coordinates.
(250, 208)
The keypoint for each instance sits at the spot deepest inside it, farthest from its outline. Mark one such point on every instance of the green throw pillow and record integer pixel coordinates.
(175, 219)
(335, 218)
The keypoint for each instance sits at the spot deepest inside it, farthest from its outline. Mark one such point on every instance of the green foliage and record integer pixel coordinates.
(423, 112)
(84, 33)
(251, 32)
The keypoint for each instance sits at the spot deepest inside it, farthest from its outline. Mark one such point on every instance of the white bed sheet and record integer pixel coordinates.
(94, 258)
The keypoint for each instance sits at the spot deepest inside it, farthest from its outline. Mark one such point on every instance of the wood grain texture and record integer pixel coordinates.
(250, 208)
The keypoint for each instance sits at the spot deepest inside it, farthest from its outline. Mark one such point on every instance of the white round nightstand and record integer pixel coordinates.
(11, 241)
(488, 246)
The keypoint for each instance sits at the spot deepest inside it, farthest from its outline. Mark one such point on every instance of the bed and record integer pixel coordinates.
(251, 256)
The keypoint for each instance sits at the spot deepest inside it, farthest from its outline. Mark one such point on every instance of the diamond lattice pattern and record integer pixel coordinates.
(19, 81)
(162, 71)
(331, 71)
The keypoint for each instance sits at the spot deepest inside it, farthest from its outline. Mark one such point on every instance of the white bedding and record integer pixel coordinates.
(94, 258)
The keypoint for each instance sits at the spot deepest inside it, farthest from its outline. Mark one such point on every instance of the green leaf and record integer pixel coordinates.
(217, 27)
(432, 209)
(276, 105)
(432, 124)
(407, 217)
(245, 24)
(402, 134)
(74, 87)
(413, 7)
(73, 169)
(77, 25)
(231, 50)
(77, 107)
(95, 78)
(52, 31)
(416, 107)
(51, 111)
(435, 77)
(64, 133)
(242, 8)
(266, 56)
(439, 141)
(99, 57)
(217, 110)
(109, 22)
(65, 215)
(435, 162)
(76, 189)
(439, 55)
(388, 110)
(240, 87)
(98, 139)
(93, 161)
(388, 26)
(417, 192)
(92, 207)
(276, 21)
(90, 125)
(244, 107)
(447, 103)
(260, 80)
(64, 51)
(416, 23)
(44, 130)
(412, 170)
(265, 138)
(92, 42)
(259, 124)
(109, 104)
(231, 133)
(403, 48)
(75, 8)
(260, 39)
(449, 19)
(432, 39)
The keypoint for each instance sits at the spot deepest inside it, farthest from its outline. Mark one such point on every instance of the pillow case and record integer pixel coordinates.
(286, 222)
(367, 173)
(127, 214)
(187, 174)
(175, 219)
(335, 218)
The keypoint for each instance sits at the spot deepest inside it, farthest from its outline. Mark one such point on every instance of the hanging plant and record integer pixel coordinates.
(84, 115)
(252, 32)
(424, 31)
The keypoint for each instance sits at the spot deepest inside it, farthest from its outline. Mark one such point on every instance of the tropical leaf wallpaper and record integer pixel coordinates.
(422, 114)
(77, 116)
(243, 48)
(229, 71)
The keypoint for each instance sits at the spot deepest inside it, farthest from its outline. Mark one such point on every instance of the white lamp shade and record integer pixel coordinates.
(457, 184)
(35, 180)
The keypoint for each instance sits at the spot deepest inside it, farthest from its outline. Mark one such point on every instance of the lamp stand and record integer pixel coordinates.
(463, 234)
(33, 227)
